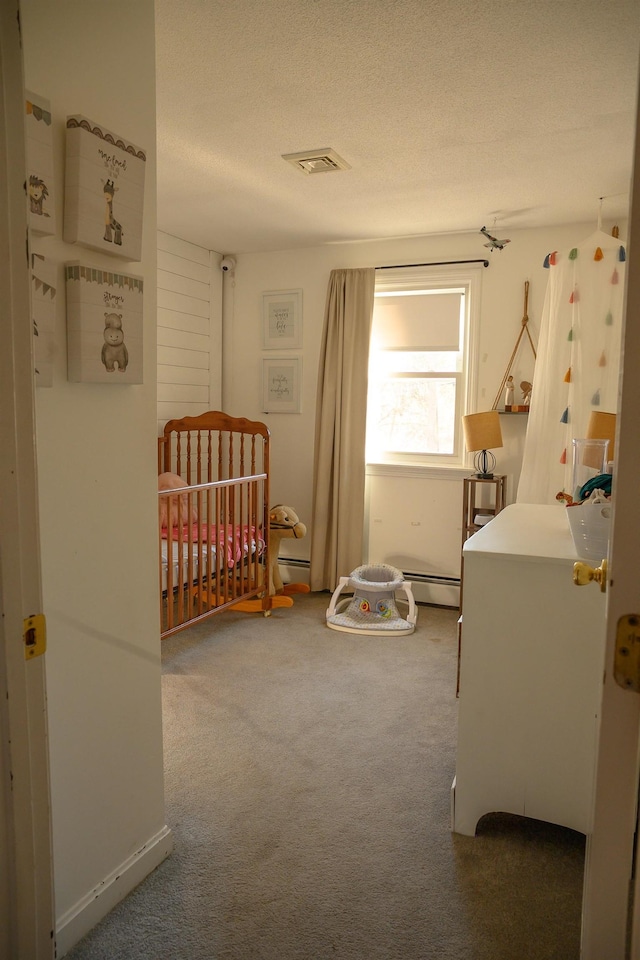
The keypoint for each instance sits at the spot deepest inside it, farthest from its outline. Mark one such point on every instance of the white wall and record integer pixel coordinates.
(96, 448)
(189, 329)
(501, 314)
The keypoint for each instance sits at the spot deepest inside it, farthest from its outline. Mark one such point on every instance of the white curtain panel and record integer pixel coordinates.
(341, 416)
(578, 360)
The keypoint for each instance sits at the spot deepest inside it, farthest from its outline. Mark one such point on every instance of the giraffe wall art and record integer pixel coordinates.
(104, 190)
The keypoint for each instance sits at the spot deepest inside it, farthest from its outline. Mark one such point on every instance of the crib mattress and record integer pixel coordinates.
(194, 555)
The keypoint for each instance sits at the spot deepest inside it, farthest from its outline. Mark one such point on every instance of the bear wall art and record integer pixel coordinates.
(104, 190)
(104, 325)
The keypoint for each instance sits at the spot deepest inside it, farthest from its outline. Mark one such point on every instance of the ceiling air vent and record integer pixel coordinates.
(317, 161)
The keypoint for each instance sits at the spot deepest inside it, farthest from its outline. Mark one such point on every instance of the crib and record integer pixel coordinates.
(214, 532)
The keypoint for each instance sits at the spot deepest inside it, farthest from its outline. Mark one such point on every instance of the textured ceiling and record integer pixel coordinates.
(452, 114)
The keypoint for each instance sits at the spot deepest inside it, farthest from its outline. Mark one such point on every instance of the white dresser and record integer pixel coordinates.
(532, 658)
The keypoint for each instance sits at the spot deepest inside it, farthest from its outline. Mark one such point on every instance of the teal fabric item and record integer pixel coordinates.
(601, 482)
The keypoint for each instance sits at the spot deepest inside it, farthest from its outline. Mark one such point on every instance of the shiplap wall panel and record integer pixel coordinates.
(168, 373)
(184, 393)
(182, 248)
(175, 320)
(186, 358)
(186, 268)
(172, 410)
(189, 325)
(178, 338)
(181, 303)
(174, 283)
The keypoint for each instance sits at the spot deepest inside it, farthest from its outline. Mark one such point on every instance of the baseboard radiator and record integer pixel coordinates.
(426, 587)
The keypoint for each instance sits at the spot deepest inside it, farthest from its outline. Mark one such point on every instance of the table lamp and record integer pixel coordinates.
(482, 431)
(602, 426)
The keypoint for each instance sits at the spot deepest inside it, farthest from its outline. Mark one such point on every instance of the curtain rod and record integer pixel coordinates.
(439, 263)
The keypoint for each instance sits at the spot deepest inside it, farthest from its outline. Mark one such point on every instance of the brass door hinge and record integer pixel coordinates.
(627, 657)
(34, 634)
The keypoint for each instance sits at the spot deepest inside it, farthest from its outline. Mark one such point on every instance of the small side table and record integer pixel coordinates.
(473, 491)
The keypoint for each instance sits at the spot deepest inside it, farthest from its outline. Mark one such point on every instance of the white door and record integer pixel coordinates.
(26, 910)
(610, 848)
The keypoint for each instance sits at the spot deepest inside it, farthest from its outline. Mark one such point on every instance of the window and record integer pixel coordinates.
(419, 365)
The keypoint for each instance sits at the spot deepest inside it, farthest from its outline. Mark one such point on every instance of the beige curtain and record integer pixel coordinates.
(339, 470)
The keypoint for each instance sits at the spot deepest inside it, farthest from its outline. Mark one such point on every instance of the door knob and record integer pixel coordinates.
(583, 574)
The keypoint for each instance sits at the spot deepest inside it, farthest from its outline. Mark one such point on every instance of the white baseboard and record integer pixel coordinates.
(90, 909)
(440, 594)
(436, 592)
(294, 572)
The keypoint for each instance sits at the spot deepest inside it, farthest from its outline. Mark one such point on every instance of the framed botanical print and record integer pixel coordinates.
(282, 319)
(281, 384)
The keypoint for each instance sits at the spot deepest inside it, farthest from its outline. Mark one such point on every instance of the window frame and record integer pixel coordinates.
(442, 278)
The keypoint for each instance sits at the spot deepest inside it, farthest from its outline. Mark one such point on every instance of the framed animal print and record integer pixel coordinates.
(104, 325)
(39, 147)
(104, 190)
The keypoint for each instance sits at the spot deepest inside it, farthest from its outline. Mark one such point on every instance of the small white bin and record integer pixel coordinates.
(590, 525)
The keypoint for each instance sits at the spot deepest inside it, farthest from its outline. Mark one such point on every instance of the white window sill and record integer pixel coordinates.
(431, 471)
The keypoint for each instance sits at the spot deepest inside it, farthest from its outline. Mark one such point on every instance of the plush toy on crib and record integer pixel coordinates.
(168, 506)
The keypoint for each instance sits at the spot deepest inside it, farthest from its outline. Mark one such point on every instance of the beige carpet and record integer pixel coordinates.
(307, 779)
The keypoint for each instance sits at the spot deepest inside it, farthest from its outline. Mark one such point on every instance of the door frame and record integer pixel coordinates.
(25, 834)
(609, 928)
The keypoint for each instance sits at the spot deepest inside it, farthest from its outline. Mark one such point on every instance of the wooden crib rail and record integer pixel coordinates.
(216, 420)
(162, 442)
(215, 446)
